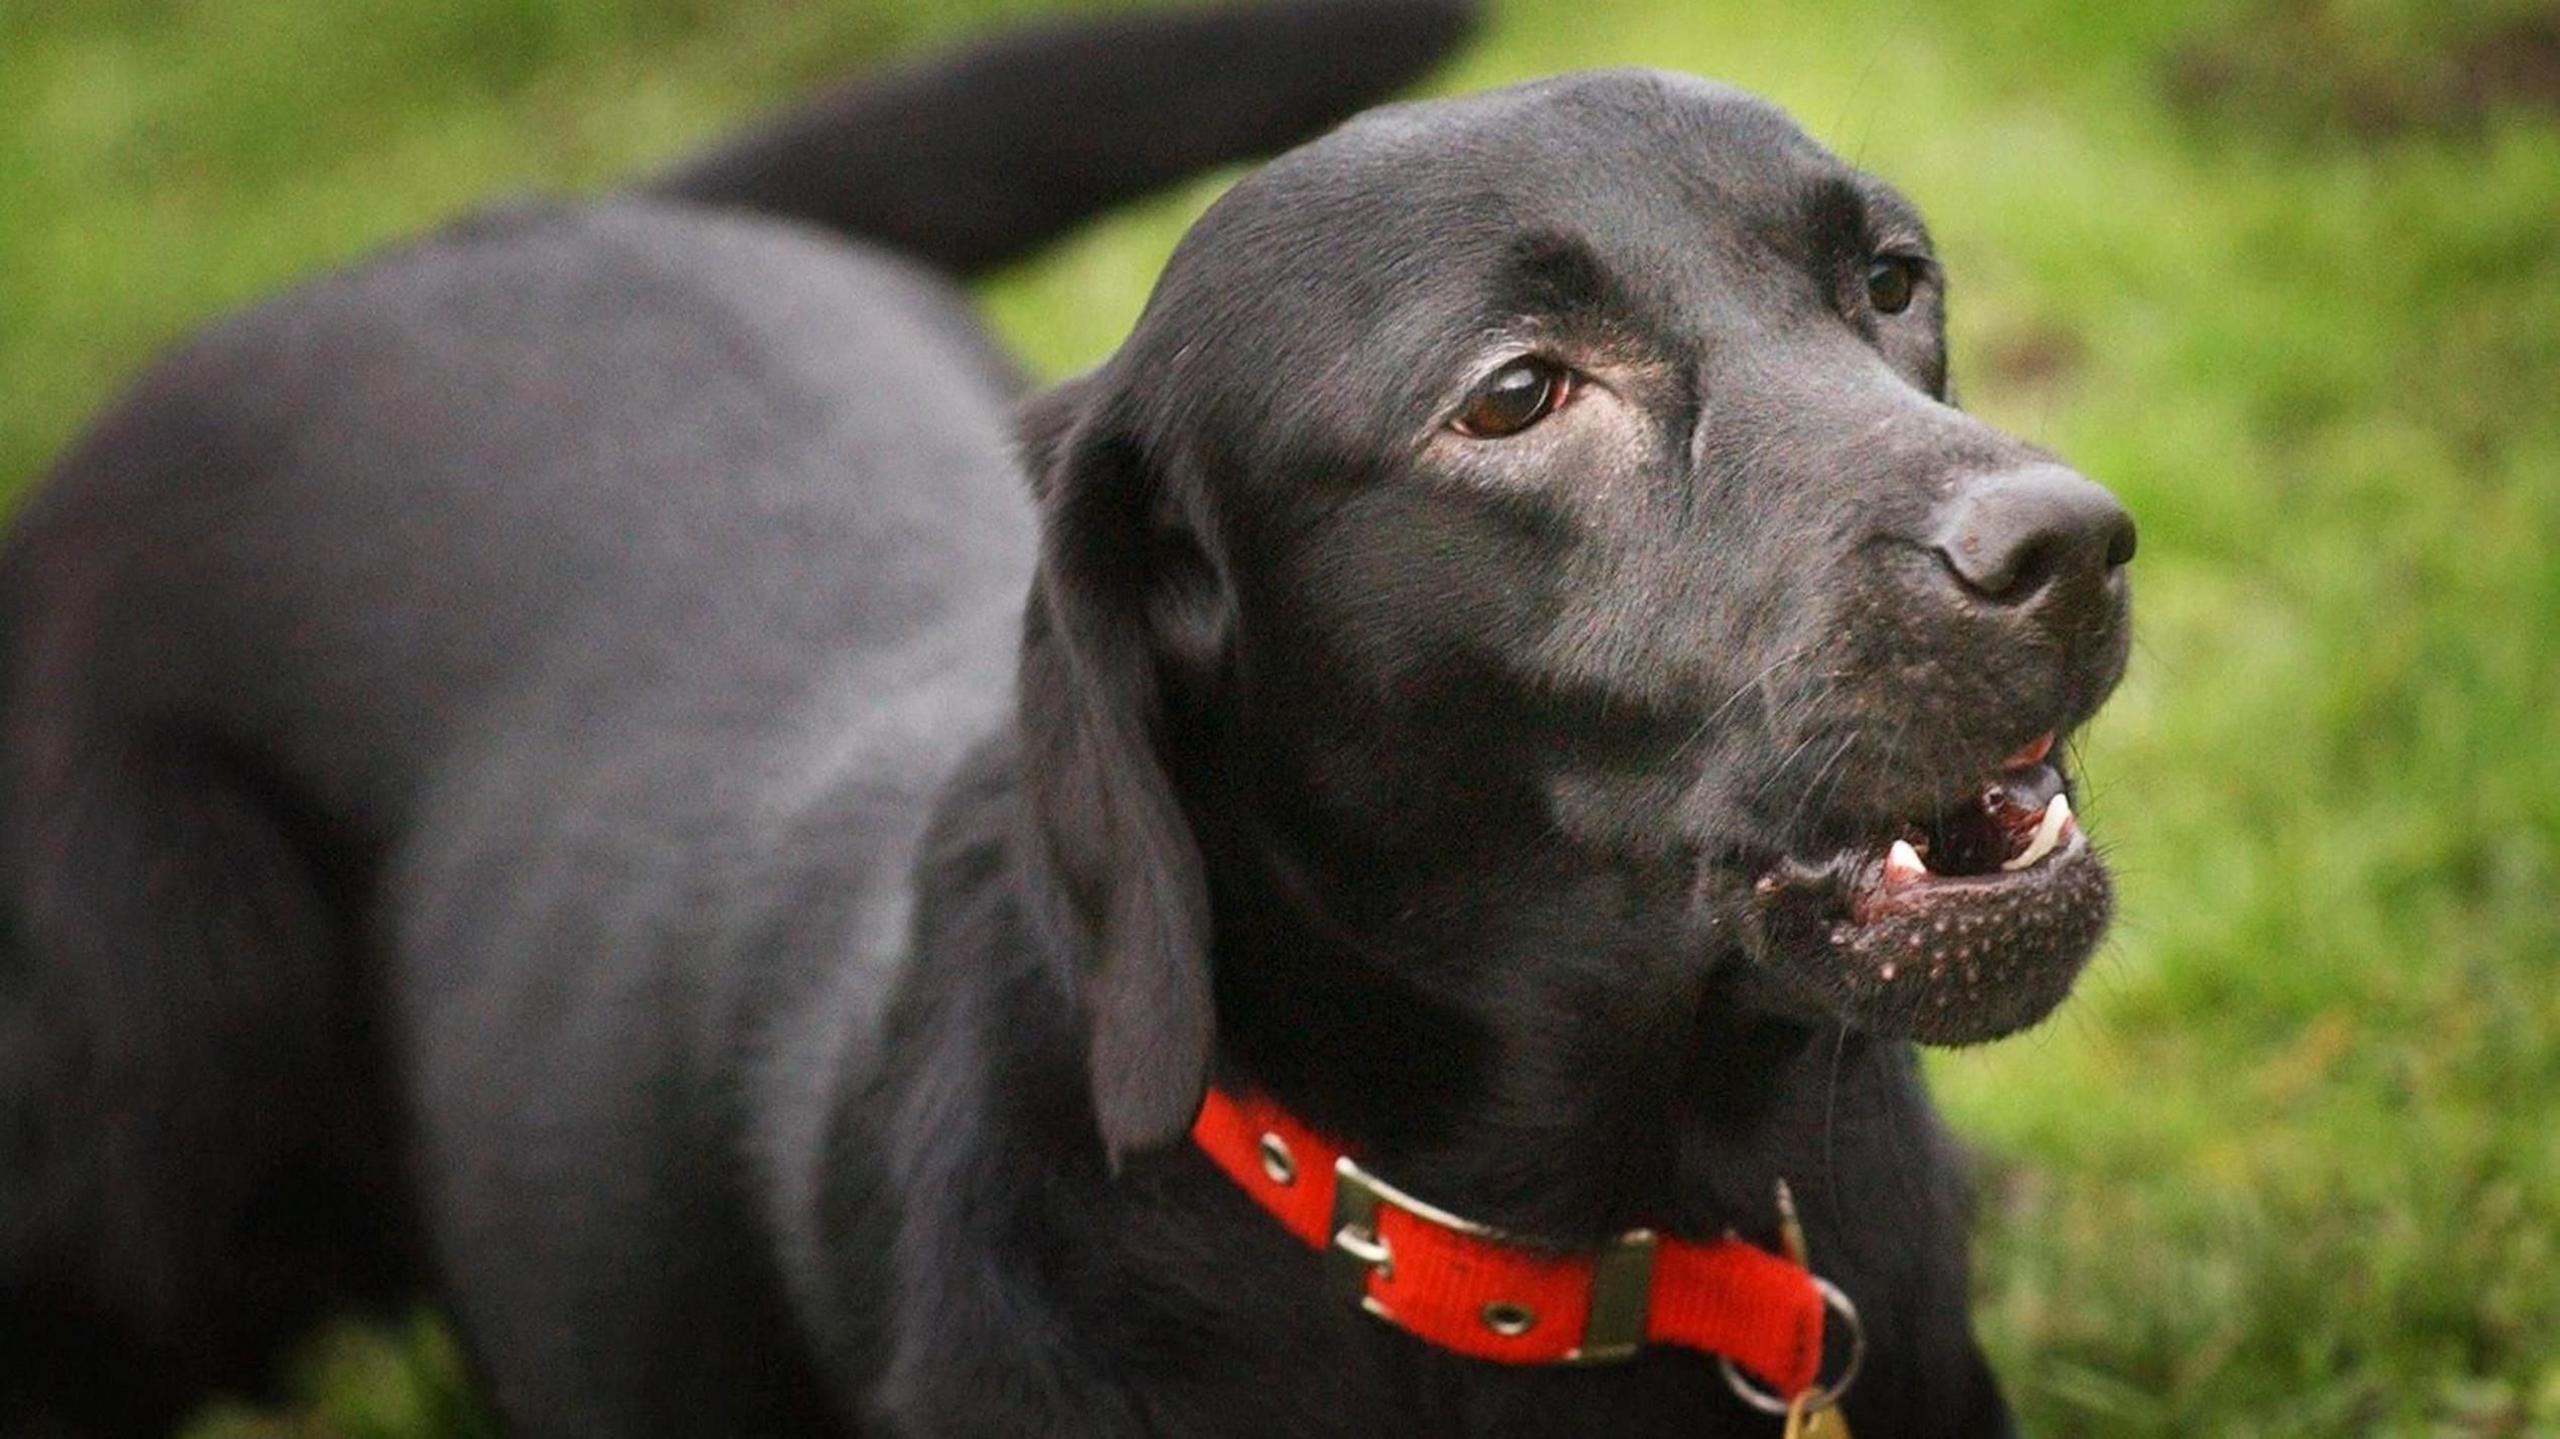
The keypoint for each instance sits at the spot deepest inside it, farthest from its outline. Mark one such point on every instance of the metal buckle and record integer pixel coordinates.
(1621, 1273)
(1621, 1300)
(1820, 1399)
(1357, 1251)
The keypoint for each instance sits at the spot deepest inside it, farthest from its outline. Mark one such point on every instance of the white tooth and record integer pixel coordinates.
(2048, 834)
(1902, 863)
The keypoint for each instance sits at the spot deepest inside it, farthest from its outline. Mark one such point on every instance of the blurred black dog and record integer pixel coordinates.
(528, 775)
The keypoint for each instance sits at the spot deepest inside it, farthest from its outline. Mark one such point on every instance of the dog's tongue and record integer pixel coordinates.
(2034, 752)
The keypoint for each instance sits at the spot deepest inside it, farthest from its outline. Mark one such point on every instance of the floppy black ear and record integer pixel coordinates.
(1115, 605)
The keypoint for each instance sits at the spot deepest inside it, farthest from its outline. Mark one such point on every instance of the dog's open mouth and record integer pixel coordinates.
(1962, 926)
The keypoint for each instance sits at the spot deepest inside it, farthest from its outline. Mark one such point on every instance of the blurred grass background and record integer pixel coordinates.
(2285, 273)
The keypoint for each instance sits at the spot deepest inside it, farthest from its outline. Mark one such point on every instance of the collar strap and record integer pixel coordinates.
(1473, 1290)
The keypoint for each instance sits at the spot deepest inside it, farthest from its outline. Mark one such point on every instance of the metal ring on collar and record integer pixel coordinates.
(1767, 1402)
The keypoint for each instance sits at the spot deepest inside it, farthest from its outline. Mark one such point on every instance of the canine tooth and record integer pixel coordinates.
(1902, 863)
(2057, 814)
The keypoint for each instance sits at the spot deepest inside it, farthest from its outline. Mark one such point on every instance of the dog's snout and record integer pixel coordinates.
(2011, 537)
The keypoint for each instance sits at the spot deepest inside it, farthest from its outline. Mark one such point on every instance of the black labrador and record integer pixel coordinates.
(530, 773)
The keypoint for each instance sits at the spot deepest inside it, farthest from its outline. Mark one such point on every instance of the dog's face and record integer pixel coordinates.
(1570, 471)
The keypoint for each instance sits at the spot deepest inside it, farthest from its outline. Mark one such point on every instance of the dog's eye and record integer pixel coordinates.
(1891, 279)
(1513, 398)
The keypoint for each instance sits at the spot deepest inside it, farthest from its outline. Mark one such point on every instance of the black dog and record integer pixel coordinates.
(527, 764)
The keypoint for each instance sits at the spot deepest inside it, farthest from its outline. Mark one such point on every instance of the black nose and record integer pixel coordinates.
(2013, 536)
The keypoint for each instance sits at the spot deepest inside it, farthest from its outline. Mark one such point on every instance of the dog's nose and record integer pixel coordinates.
(2013, 536)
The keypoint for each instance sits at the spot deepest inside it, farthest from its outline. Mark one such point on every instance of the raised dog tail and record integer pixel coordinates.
(973, 159)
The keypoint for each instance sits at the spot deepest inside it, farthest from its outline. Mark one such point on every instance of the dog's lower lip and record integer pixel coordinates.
(1960, 930)
(1895, 890)
(2053, 829)
(1955, 959)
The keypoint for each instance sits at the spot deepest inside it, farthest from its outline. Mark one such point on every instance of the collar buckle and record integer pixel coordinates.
(1357, 1250)
(1613, 1329)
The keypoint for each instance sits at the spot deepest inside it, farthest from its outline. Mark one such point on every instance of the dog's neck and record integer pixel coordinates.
(1525, 1053)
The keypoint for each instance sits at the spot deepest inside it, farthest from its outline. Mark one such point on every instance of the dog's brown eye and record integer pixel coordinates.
(1890, 282)
(1513, 398)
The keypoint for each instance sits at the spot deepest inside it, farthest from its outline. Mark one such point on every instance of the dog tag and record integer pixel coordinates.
(1804, 1422)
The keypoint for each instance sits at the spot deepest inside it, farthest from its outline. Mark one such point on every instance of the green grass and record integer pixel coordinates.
(2285, 274)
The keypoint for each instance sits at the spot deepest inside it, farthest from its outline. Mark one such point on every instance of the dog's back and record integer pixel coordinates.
(374, 629)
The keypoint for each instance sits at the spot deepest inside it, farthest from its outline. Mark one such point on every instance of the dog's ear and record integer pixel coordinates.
(1125, 600)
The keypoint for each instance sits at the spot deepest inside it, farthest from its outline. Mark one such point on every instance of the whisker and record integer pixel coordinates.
(1779, 770)
(1757, 682)
(1806, 801)
(1831, 1127)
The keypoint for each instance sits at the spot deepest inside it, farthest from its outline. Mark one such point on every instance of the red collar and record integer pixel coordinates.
(1475, 1291)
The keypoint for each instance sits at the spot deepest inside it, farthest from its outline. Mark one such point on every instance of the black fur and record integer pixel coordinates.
(531, 757)
(984, 156)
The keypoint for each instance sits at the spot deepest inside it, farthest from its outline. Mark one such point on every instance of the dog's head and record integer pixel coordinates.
(1551, 502)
